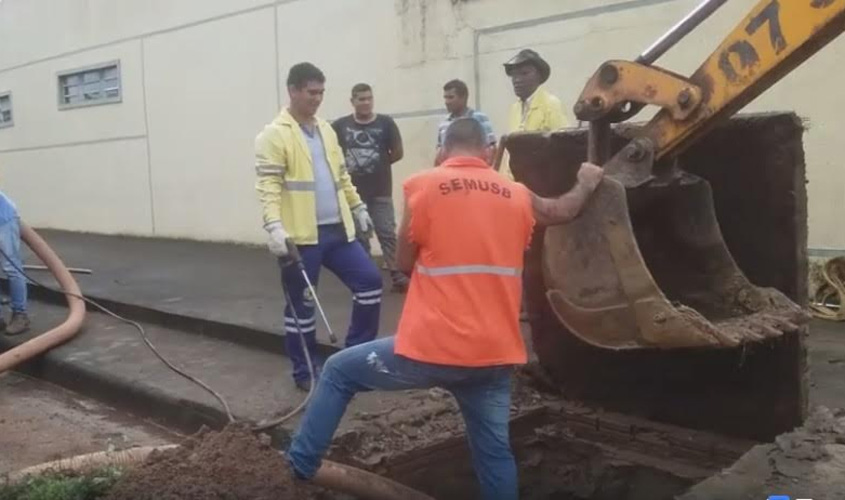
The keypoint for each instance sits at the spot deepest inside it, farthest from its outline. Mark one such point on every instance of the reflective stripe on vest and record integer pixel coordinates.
(304, 185)
(470, 269)
(300, 185)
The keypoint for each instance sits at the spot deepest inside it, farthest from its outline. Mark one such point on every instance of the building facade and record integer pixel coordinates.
(138, 116)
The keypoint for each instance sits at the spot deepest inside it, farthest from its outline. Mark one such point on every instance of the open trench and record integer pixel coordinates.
(564, 455)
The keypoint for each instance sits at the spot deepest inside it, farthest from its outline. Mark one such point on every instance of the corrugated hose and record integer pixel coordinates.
(830, 297)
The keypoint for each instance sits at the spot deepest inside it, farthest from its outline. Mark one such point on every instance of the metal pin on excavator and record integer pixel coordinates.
(599, 284)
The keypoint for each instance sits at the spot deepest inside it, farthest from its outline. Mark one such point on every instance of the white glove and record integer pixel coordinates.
(362, 218)
(277, 244)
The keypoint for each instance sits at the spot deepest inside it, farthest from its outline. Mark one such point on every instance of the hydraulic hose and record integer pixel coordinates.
(76, 313)
(89, 462)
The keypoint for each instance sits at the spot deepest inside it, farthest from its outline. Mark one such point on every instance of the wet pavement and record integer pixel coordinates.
(40, 422)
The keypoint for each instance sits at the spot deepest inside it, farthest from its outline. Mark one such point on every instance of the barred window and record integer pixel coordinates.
(6, 110)
(90, 86)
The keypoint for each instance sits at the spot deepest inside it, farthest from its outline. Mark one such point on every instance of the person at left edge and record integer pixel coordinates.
(308, 199)
(12, 265)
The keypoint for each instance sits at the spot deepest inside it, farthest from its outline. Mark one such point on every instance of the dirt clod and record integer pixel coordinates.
(229, 465)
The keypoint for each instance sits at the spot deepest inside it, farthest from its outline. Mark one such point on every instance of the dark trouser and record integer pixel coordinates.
(384, 219)
(483, 394)
(348, 261)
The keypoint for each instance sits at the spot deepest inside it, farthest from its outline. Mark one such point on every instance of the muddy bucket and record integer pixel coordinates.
(739, 213)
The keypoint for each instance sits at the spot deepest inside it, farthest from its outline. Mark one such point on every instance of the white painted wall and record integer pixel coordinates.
(201, 77)
(205, 107)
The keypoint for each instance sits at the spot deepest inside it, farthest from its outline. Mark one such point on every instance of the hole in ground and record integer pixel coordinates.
(558, 461)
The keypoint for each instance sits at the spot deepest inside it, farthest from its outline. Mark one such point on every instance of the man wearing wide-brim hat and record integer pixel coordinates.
(537, 110)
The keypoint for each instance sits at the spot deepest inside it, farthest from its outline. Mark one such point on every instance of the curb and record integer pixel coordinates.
(140, 399)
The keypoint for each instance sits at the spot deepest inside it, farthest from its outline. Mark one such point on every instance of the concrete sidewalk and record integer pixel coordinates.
(232, 289)
(108, 361)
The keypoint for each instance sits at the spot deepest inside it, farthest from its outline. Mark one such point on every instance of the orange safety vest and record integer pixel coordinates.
(472, 226)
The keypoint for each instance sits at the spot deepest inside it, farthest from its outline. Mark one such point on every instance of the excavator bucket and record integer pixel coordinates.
(688, 292)
(647, 267)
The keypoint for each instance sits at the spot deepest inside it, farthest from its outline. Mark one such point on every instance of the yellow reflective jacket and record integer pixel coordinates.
(545, 114)
(286, 178)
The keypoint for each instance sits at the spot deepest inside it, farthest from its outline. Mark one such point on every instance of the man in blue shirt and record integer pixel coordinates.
(455, 97)
(10, 245)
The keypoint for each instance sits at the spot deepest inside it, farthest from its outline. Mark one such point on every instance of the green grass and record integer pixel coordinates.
(63, 486)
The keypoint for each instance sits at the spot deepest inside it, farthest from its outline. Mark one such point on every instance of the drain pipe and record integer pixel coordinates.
(76, 315)
(332, 475)
(362, 484)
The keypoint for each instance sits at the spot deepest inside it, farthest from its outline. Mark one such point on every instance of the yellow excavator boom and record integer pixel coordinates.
(599, 284)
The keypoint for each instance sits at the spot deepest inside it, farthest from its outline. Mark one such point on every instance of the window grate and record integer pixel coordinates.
(6, 110)
(90, 86)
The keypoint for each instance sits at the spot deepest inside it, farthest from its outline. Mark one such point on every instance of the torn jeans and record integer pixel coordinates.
(482, 393)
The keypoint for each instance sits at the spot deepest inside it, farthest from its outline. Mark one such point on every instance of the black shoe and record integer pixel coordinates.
(400, 287)
(18, 325)
(304, 385)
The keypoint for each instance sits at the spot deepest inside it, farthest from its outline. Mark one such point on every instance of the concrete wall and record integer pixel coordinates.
(201, 77)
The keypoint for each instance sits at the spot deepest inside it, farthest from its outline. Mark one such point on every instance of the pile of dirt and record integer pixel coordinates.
(806, 463)
(235, 464)
(232, 464)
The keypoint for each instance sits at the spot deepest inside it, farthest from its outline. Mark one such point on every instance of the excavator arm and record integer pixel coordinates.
(645, 265)
(772, 40)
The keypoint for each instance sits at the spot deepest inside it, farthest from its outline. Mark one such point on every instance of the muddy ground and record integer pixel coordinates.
(40, 422)
(553, 464)
(426, 417)
(234, 464)
(419, 443)
(231, 464)
(806, 463)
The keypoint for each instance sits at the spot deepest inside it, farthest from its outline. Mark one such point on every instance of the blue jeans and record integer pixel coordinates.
(483, 395)
(10, 243)
(349, 262)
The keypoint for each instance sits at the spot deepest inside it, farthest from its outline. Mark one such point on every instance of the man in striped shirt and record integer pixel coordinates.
(455, 96)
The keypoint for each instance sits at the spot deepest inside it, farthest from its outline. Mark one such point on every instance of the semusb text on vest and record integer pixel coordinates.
(465, 184)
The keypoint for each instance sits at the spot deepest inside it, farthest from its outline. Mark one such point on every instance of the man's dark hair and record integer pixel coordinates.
(302, 73)
(458, 86)
(361, 87)
(465, 133)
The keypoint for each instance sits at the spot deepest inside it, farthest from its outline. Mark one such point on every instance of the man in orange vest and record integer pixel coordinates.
(464, 231)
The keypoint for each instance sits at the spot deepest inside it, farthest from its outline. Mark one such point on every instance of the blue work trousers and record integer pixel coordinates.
(483, 395)
(349, 262)
(12, 264)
